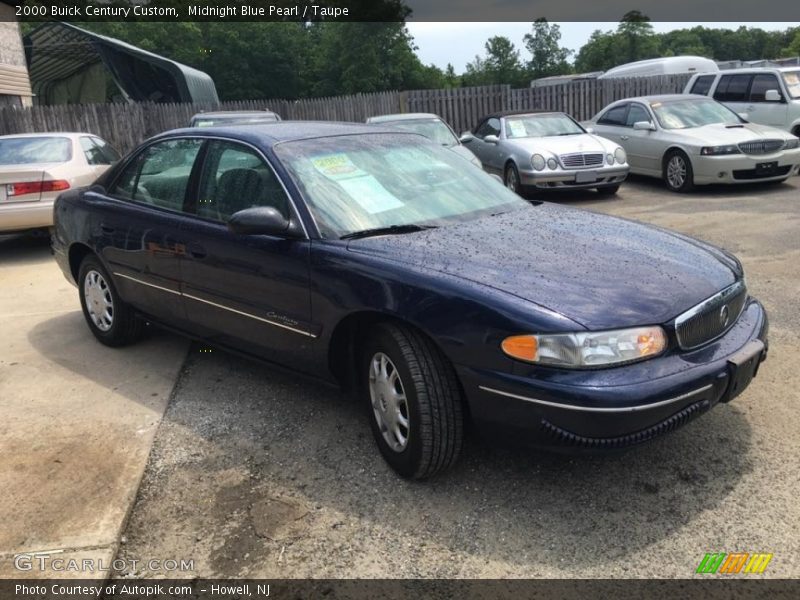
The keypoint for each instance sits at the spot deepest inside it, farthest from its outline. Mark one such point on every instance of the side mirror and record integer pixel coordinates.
(466, 137)
(644, 126)
(772, 96)
(589, 129)
(261, 220)
(743, 116)
(491, 139)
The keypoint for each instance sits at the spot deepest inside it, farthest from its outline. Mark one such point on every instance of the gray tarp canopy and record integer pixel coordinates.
(69, 65)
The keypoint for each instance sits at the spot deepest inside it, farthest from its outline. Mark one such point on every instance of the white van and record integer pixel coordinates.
(768, 96)
(670, 65)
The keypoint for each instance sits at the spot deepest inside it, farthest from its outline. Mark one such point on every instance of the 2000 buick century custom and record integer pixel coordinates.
(381, 260)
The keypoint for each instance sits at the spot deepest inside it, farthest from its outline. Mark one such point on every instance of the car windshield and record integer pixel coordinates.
(30, 150)
(433, 129)
(792, 80)
(693, 112)
(358, 183)
(541, 126)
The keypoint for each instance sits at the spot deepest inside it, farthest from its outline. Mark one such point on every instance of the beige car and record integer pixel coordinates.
(36, 167)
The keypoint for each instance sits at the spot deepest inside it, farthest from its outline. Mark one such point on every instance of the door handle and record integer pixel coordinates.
(623, 137)
(196, 250)
(106, 228)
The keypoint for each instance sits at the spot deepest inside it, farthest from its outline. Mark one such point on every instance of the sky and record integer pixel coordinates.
(458, 43)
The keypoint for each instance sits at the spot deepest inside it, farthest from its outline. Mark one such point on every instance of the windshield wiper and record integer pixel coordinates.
(570, 133)
(389, 230)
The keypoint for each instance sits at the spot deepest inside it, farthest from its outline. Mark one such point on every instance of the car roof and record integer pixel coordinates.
(69, 134)
(661, 98)
(511, 113)
(403, 117)
(283, 131)
(233, 113)
(750, 70)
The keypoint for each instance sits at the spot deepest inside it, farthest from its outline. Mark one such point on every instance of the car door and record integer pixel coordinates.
(732, 90)
(612, 124)
(249, 292)
(763, 111)
(488, 154)
(642, 146)
(139, 227)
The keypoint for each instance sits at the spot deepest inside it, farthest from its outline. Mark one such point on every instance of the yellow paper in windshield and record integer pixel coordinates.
(516, 129)
(357, 183)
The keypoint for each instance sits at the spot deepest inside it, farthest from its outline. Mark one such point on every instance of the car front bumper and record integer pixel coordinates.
(743, 168)
(622, 406)
(574, 178)
(21, 216)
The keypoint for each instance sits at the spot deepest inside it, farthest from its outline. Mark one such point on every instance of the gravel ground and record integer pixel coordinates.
(258, 474)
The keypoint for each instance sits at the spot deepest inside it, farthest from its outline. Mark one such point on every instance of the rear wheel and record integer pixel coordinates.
(413, 400)
(608, 190)
(112, 321)
(678, 173)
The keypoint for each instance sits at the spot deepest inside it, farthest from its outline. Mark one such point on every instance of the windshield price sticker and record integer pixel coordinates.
(362, 187)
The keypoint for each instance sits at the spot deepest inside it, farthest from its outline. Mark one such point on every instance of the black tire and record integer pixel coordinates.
(435, 420)
(124, 326)
(688, 179)
(608, 190)
(511, 178)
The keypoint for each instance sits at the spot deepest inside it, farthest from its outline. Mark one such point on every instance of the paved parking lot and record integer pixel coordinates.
(256, 473)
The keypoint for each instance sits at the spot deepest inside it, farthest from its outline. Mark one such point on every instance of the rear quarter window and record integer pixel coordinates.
(702, 85)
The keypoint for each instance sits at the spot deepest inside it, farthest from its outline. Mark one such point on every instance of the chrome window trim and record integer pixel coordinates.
(624, 409)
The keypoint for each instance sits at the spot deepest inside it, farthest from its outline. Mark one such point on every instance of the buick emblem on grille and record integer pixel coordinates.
(724, 315)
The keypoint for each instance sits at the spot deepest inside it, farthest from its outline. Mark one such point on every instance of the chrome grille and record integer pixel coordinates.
(711, 318)
(580, 159)
(761, 146)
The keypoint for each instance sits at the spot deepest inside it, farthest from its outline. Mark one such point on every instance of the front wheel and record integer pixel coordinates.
(112, 321)
(413, 400)
(511, 178)
(678, 173)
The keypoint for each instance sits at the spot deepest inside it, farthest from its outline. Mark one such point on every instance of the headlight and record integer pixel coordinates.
(620, 156)
(587, 349)
(552, 164)
(610, 159)
(538, 162)
(791, 144)
(719, 150)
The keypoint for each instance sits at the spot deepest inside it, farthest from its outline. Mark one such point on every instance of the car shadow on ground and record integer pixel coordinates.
(22, 249)
(299, 439)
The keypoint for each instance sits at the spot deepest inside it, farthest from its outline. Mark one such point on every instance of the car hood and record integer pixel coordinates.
(720, 135)
(602, 272)
(564, 144)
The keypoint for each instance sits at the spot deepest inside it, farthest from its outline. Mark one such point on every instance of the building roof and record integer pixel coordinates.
(59, 51)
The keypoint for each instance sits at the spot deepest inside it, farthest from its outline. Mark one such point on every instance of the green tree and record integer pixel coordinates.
(636, 38)
(793, 49)
(548, 57)
(501, 64)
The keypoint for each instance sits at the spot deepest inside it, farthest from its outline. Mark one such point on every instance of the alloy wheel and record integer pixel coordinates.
(676, 172)
(389, 403)
(511, 179)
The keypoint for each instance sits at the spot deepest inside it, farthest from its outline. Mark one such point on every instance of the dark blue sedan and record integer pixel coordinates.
(384, 262)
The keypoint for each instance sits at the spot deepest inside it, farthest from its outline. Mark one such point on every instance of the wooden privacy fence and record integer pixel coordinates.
(126, 125)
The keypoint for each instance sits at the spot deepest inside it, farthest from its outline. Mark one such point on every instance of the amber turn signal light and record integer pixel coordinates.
(522, 347)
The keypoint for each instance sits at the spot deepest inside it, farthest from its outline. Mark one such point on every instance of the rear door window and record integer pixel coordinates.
(160, 174)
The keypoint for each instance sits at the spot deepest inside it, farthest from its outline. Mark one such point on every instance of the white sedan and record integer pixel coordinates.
(36, 167)
(691, 140)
